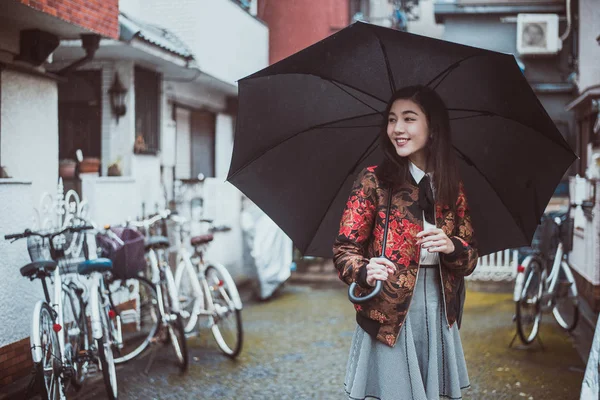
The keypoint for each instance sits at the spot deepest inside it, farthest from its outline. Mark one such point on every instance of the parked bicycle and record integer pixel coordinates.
(206, 289)
(60, 345)
(544, 280)
(152, 316)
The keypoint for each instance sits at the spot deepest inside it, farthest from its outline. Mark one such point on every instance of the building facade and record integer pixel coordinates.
(30, 30)
(151, 106)
(585, 104)
(299, 24)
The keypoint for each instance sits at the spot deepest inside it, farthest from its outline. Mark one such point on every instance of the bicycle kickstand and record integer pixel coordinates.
(151, 358)
(513, 340)
(539, 339)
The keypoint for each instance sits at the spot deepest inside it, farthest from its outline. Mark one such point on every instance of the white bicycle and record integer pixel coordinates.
(206, 289)
(60, 348)
(544, 283)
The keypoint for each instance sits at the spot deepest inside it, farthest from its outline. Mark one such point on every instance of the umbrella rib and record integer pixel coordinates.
(325, 125)
(369, 150)
(356, 98)
(472, 164)
(483, 113)
(387, 63)
(335, 81)
(444, 74)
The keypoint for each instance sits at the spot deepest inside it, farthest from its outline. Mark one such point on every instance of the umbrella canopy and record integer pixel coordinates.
(308, 124)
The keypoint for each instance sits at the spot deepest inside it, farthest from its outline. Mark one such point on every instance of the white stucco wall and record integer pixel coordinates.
(586, 246)
(223, 145)
(589, 50)
(29, 130)
(184, 143)
(118, 137)
(223, 203)
(112, 199)
(17, 294)
(227, 42)
(146, 171)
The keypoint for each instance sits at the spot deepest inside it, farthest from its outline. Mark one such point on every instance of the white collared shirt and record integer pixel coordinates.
(427, 258)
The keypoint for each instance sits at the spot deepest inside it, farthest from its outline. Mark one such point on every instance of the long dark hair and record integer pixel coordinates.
(440, 154)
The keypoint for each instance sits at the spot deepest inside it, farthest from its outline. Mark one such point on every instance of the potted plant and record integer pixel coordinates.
(89, 165)
(66, 168)
(114, 169)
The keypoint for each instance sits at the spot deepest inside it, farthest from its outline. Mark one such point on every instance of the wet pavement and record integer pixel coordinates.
(296, 347)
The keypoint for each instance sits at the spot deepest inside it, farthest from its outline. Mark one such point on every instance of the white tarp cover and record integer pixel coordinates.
(271, 249)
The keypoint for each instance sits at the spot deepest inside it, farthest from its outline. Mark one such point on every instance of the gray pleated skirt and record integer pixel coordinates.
(427, 362)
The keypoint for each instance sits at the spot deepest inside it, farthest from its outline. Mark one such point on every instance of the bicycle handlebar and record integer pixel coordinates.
(28, 232)
(150, 221)
(17, 235)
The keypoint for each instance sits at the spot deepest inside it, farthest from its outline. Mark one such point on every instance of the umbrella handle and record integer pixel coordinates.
(356, 299)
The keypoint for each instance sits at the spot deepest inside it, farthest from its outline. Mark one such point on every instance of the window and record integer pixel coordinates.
(80, 115)
(195, 143)
(147, 111)
(203, 125)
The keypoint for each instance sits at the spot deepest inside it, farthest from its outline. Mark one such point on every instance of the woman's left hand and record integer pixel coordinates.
(435, 240)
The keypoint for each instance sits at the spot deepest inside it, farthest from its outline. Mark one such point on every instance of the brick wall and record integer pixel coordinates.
(588, 291)
(100, 16)
(298, 24)
(15, 362)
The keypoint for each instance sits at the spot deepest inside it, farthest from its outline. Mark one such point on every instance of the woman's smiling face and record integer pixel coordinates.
(408, 130)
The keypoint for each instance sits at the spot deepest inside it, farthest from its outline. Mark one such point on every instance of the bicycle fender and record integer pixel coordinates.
(520, 279)
(34, 339)
(235, 296)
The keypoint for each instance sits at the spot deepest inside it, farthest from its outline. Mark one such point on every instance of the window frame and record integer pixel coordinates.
(151, 134)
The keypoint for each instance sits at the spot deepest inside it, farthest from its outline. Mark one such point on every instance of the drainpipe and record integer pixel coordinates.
(90, 42)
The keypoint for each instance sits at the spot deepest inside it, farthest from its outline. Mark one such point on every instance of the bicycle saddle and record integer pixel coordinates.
(97, 265)
(33, 268)
(202, 239)
(156, 242)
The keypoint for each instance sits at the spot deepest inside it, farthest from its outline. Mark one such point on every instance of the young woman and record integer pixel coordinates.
(407, 345)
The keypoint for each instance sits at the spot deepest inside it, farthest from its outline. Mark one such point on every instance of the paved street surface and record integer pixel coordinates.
(296, 348)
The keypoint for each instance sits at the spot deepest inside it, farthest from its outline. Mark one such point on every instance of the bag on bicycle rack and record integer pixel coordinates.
(127, 254)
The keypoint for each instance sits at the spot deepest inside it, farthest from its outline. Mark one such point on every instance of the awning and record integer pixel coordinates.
(589, 94)
(131, 28)
(153, 47)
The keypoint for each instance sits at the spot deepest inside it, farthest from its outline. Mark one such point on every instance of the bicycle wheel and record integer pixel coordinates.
(179, 342)
(189, 301)
(226, 319)
(137, 305)
(529, 311)
(176, 331)
(565, 310)
(105, 351)
(45, 345)
(75, 331)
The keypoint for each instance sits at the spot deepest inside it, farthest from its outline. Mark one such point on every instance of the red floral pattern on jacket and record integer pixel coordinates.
(361, 235)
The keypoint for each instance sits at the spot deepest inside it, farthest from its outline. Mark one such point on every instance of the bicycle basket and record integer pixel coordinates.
(566, 234)
(545, 239)
(127, 253)
(38, 249)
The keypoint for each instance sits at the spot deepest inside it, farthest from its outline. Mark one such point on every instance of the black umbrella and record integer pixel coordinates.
(309, 123)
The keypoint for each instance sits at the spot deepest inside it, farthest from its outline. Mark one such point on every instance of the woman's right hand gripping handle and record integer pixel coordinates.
(378, 270)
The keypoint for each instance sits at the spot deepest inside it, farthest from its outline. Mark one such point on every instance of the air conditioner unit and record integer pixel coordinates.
(538, 34)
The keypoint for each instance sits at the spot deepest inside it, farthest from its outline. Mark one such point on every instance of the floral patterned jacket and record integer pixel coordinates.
(360, 238)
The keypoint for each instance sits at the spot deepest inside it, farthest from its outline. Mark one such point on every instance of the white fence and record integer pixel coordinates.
(500, 266)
